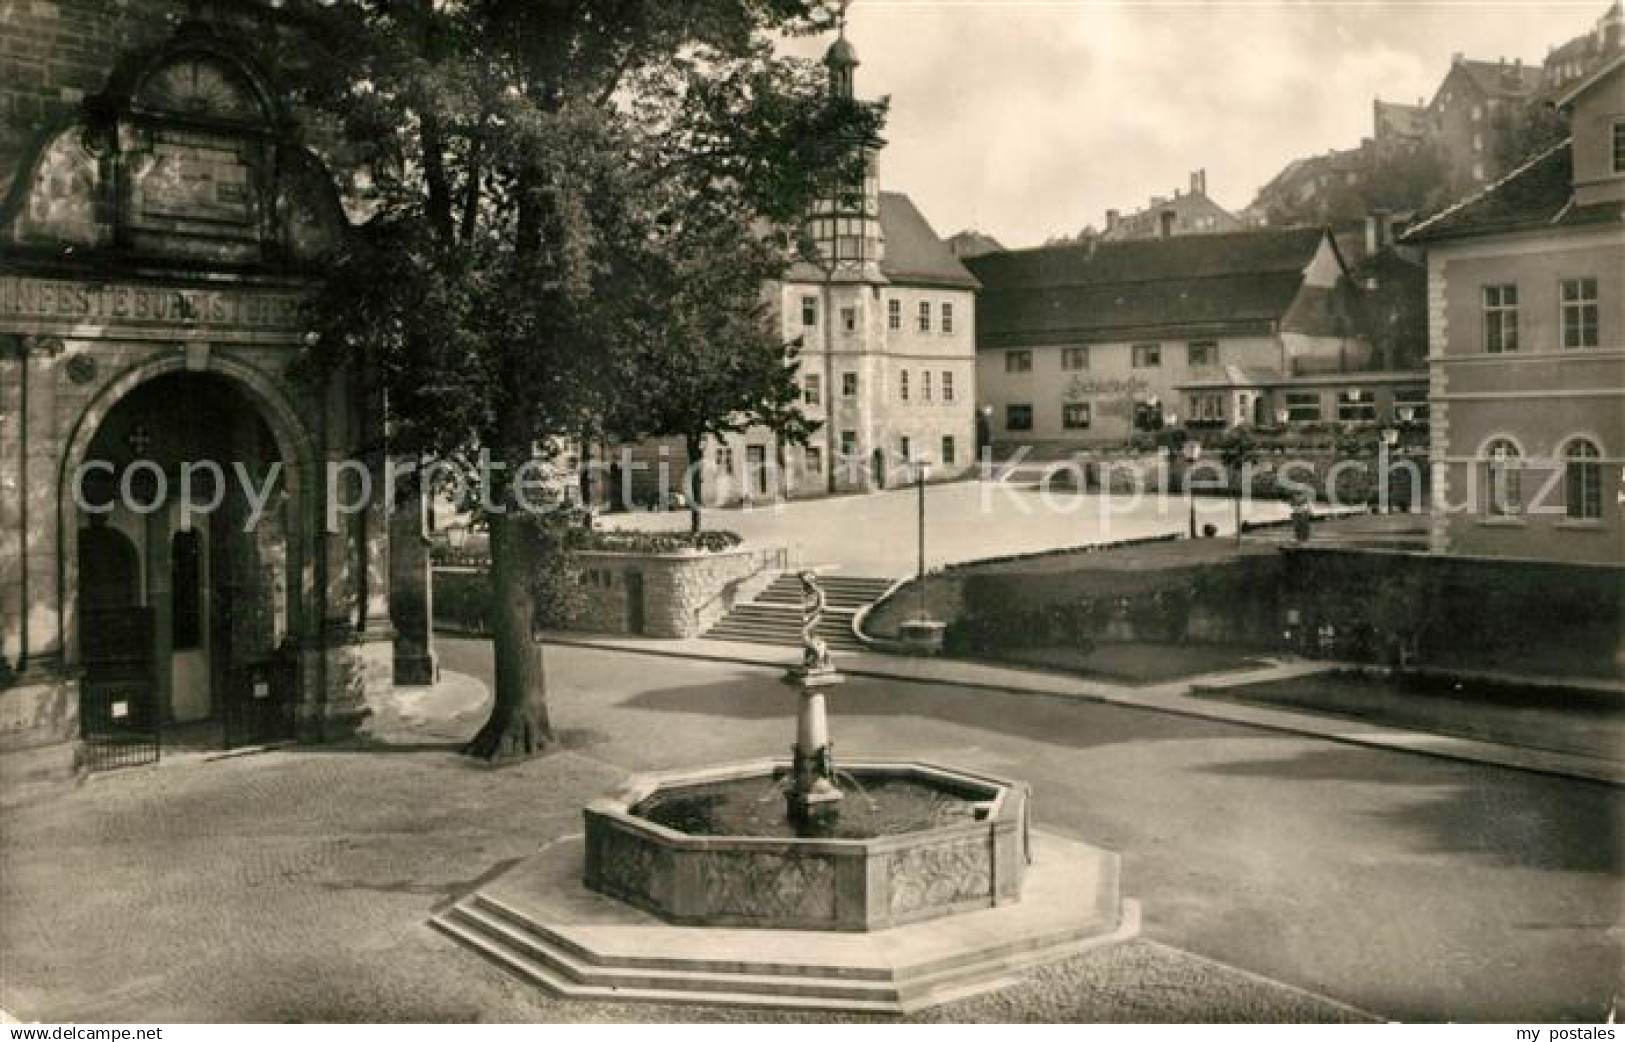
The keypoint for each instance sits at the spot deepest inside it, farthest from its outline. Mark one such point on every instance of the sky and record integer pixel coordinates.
(1030, 118)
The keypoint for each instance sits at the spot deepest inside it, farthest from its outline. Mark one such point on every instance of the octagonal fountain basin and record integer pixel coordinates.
(714, 847)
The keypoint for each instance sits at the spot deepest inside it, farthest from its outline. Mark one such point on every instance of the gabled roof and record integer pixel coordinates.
(1238, 283)
(1590, 83)
(1499, 79)
(1538, 194)
(915, 254)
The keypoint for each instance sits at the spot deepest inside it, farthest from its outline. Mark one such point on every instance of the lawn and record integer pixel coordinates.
(1135, 663)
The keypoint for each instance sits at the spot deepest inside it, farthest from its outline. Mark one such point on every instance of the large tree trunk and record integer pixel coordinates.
(519, 726)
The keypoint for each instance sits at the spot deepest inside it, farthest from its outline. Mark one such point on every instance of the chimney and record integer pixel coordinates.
(1457, 58)
(1379, 231)
(1165, 224)
(1111, 220)
(1198, 182)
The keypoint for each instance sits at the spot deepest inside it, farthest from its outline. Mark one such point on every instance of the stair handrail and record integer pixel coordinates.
(772, 559)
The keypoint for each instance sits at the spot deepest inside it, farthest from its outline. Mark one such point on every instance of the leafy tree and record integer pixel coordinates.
(547, 183)
(1518, 133)
(705, 371)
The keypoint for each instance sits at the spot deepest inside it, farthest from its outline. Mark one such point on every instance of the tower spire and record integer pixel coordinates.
(842, 58)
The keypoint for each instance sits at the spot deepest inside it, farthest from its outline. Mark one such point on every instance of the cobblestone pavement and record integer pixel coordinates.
(296, 884)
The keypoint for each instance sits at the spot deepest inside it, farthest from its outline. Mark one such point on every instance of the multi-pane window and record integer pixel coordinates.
(1018, 417)
(894, 314)
(1302, 407)
(1207, 407)
(849, 443)
(813, 457)
(1203, 353)
(1582, 480)
(1075, 416)
(925, 385)
(1147, 356)
(809, 311)
(1500, 319)
(947, 385)
(947, 317)
(1579, 297)
(1619, 146)
(925, 316)
(849, 385)
(1503, 479)
(1074, 358)
(1356, 406)
(902, 384)
(849, 319)
(905, 449)
(812, 388)
(1411, 404)
(1018, 361)
(948, 450)
(725, 459)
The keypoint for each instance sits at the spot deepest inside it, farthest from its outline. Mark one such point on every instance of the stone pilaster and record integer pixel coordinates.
(411, 592)
(44, 624)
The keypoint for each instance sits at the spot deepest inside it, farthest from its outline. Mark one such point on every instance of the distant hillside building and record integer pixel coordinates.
(1568, 64)
(1394, 124)
(1307, 190)
(1086, 345)
(971, 243)
(1189, 213)
(1527, 331)
(1475, 105)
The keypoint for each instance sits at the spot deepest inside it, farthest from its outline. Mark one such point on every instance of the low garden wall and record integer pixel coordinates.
(673, 594)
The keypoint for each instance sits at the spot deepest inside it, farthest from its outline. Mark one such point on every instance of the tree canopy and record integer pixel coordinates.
(568, 211)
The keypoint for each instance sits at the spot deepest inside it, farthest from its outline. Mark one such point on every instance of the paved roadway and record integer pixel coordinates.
(1412, 887)
(297, 884)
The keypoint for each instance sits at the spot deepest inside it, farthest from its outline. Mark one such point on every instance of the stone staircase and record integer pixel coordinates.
(774, 615)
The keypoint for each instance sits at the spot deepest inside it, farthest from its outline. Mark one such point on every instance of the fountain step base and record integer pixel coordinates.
(538, 922)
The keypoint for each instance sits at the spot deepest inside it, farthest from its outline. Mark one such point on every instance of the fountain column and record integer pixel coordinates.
(812, 794)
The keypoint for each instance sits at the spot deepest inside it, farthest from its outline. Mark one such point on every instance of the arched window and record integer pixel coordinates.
(1503, 484)
(1582, 480)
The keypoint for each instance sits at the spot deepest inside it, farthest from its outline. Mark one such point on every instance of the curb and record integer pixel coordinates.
(1328, 729)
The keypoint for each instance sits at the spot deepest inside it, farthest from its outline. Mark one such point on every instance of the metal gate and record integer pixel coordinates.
(119, 718)
(119, 722)
(258, 708)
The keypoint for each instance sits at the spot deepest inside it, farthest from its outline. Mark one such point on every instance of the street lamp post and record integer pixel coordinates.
(922, 469)
(1191, 451)
(922, 633)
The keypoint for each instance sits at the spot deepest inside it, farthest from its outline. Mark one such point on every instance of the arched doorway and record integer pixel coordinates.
(186, 474)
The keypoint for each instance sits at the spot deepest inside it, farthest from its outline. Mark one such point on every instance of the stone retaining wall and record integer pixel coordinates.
(652, 595)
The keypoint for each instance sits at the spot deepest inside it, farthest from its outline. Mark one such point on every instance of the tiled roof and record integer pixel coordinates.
(1538, 194)
(914, 251)
(1186, 286)
(1500, 80)
(1237, 376)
